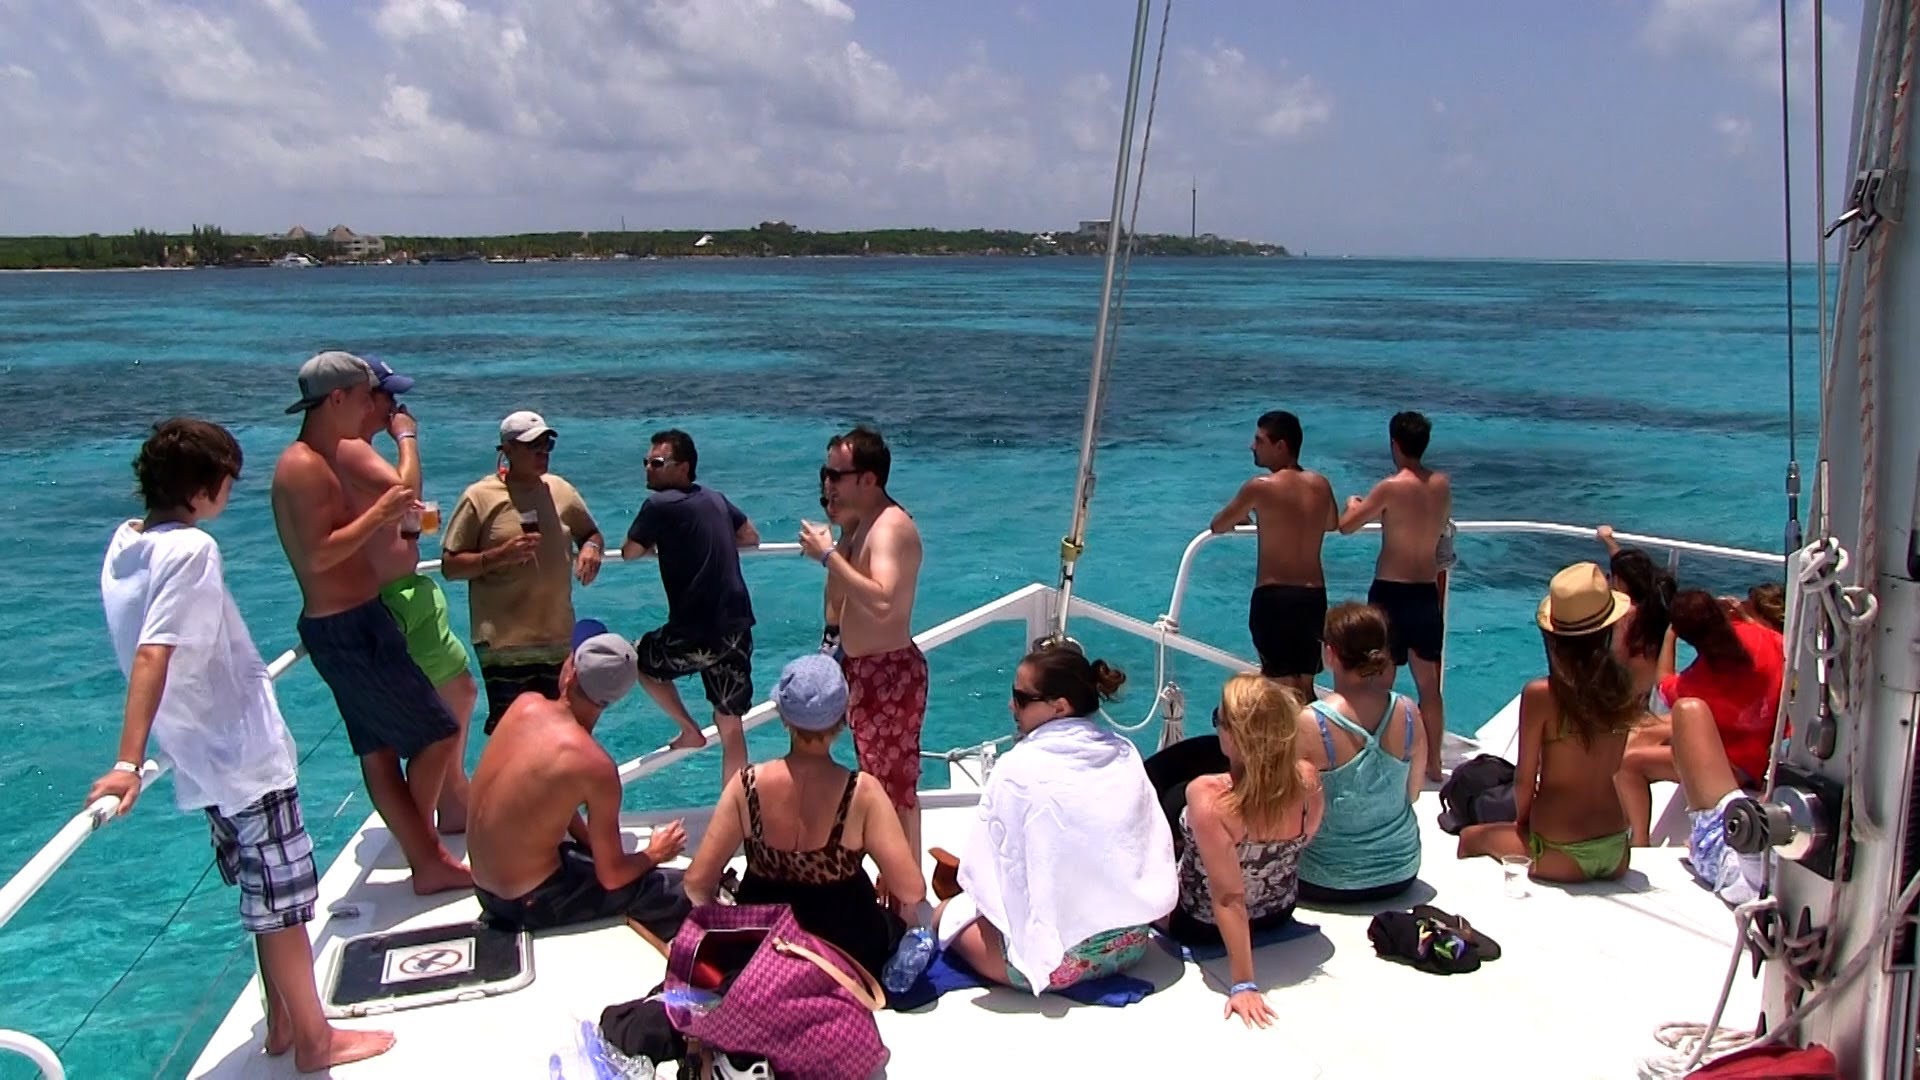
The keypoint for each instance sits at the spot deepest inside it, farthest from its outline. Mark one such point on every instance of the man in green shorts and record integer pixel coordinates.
(415, 599)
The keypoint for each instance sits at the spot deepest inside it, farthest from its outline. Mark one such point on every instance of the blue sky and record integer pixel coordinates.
(1597, 129)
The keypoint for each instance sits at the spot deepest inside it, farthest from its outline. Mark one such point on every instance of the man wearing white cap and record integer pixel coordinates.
(513, 538)
(537, 863)
(391, 711)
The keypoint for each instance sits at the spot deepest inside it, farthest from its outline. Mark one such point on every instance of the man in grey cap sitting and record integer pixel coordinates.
(537, 863)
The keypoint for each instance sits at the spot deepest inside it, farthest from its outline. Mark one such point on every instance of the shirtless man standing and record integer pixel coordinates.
(876, 569)
(1414, 506)
(415, 599)
(839, 517)
(1294, 511)
(390, 708)
(537, 864)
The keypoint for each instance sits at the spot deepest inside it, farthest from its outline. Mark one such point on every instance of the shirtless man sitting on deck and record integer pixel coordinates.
(389, 706)
(1414, 506)
(537, 864)
(1294, 511)
(875, 570)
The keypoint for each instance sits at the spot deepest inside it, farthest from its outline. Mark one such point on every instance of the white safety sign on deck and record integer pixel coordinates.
(429, 961)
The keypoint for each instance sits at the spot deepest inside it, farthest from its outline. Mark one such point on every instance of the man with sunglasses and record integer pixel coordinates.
(876, 569)
(698, 535)
(841, 517)
(513, 538)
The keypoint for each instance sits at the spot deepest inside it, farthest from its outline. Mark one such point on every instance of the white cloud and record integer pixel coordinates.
(1744, 37)
(1244, 98)
(526, 112)
(1735, 132)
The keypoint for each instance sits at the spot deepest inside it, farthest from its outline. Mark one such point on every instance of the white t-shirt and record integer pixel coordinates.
(218, 722)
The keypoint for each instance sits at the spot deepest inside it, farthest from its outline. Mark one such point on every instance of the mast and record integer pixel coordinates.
(1193, 222)
(1075, 541)
(1842, 816)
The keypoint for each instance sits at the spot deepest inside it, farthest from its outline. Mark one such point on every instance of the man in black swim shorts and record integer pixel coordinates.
(1293, 510)
(1415, 509)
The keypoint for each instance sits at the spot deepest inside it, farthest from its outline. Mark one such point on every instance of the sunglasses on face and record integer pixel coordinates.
(541, 445)
(828, 473)
(1023, 698)
(658, 462)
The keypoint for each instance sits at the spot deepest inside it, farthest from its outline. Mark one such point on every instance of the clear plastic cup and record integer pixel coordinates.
(1518, 870)
(530, 521)
(429, 518)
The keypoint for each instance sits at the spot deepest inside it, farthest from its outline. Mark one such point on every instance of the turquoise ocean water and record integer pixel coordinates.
(1650, 396)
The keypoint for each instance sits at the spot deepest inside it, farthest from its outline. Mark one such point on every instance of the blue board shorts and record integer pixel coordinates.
(387, 702)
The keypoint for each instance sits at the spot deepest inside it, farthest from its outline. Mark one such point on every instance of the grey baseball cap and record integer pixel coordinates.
(323, 373)
(604, 663)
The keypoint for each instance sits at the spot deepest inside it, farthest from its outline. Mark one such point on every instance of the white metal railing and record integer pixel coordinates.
(1033, 604)
(1674, 548)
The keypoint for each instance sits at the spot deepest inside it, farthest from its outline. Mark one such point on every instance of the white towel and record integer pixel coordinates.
(1071, 842)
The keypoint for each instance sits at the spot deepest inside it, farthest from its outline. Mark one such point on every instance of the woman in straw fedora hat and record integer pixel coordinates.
(1573, 730)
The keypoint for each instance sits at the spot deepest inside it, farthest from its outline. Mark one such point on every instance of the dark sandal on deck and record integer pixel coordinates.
(1488, 948)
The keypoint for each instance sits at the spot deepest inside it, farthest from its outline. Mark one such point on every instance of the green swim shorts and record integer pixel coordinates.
(420, 608)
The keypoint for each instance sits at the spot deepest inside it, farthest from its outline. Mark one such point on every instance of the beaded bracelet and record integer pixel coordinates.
(1242, 986)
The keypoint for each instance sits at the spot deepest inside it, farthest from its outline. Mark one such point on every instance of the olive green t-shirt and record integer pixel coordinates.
(522, 613)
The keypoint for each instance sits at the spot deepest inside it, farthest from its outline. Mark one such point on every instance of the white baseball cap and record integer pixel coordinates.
(524, 426)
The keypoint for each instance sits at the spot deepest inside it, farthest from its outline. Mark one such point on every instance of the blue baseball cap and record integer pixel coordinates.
(385, 378)
(812, 693)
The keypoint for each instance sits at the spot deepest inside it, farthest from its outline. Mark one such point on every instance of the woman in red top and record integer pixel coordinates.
(1737, 673)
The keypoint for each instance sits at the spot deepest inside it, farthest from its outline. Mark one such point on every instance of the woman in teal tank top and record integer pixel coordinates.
(1364, 738)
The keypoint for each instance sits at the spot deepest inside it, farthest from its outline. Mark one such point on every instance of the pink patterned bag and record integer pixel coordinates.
(799, 1000)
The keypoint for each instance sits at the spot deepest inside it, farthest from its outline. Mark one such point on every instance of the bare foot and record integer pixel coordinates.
(1434, 774)
(342, 1046)
(441, 875)
(279, 1033)
(692, 739)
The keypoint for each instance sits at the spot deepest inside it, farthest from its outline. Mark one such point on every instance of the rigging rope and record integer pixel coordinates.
(1793, 412)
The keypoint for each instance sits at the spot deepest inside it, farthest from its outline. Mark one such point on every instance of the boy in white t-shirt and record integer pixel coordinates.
(197, 685)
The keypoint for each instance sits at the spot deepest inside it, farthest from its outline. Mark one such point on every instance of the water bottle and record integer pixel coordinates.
(908, 961)
(697, 1002)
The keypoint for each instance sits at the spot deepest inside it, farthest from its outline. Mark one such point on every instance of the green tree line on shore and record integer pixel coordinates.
(210, 245)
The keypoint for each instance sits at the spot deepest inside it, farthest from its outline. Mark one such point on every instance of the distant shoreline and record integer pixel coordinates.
(211, 246)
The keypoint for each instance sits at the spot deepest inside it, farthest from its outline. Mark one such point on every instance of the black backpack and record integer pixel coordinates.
(1479, 792)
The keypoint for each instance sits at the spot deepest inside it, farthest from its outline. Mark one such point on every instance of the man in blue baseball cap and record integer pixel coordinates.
(416, 600)
(537, 863)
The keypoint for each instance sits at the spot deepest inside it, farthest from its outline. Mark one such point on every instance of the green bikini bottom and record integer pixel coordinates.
(1596, 858)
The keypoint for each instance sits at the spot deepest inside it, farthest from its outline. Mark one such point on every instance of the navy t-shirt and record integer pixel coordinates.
(692, 531)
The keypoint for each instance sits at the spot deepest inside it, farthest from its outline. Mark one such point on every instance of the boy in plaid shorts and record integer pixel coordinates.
(197, 686)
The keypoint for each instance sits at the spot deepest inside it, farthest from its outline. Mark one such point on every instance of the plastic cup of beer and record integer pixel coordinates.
(410, 523)
(429, 517)
(530, 521)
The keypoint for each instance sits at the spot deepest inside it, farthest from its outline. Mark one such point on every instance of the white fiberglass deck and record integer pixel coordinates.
(1588, 974)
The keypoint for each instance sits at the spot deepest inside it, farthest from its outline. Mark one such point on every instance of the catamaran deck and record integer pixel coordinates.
(1588, 974)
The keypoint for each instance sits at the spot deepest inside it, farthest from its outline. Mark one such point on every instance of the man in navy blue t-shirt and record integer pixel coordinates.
(698, 535)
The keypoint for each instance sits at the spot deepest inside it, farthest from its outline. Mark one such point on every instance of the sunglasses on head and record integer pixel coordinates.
(1027, 697)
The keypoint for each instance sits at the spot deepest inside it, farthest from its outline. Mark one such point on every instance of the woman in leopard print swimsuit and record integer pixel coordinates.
(807, 823)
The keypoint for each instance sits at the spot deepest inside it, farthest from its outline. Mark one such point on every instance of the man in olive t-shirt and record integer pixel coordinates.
(512, 538)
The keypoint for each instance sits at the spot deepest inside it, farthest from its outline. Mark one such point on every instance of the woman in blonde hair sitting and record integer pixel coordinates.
(1242, 832)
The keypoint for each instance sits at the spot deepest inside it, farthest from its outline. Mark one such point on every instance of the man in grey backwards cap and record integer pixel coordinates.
(334, 500)
(537, 863)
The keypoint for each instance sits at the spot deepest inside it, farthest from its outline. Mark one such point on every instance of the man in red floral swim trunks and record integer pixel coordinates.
(875, 571)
